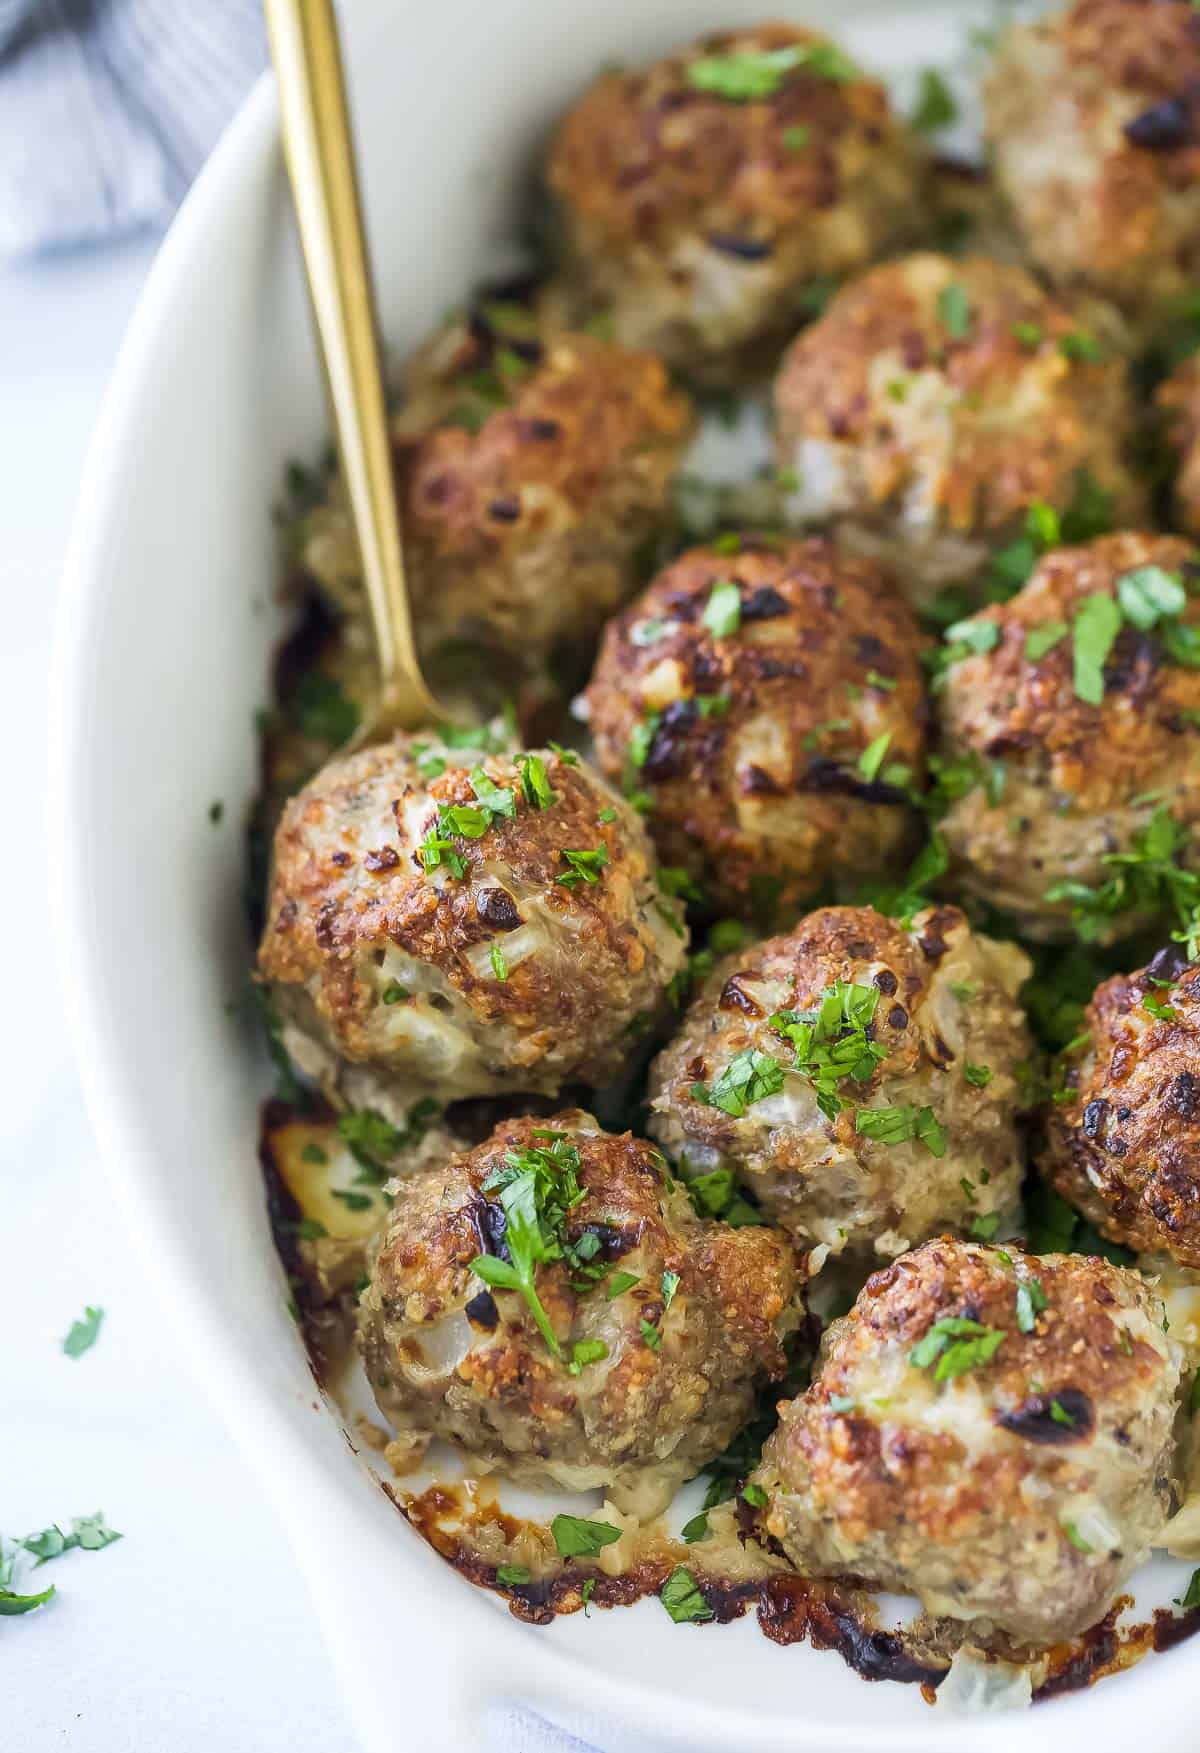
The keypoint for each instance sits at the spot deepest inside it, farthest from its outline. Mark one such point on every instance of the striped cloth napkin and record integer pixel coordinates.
(108, 108)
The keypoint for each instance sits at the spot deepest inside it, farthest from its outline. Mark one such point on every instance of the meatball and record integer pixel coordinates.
(988, 1430)
(861, 1078)
(1092, 120)
(531, 471)
(1178, 400)
(444, 924)
(1122, 1141)
(705, 201)
(1071, 731)
(741, 694)
(935, 402)
(633, 1357)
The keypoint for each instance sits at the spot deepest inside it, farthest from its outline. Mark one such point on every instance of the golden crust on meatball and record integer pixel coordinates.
(860, 1078)
(936, 401)
(1178, 399)
(531, 467)
(987, 1429)
(701, 197)
(1078, 780)
(461, 924)
(1093, 118)
(1122, 1141)
(661, 1324)
(740, 692)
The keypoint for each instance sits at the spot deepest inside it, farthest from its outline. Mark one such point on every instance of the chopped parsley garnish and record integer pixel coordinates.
(1043, 638)
(642, 738)
(1081, 346)
(796, 138)
(715, 1194)
(1054, 1227)
(673, 880)
(1147, 877)
(756, 74)
(936, 107)
(1031, 1300)
(650, 631)
(535, 785)
(1076, 1538)
(872, 757)
(374, 1142)
(681, 1597)
(1060, 1415)
(901, 1124)
(979, 1075)
(586, 1592)
(499, 963)
(607, 814)
(669, 1285)
(1149, 593)
(723, 612)
(394, 993)
(83, 1333)
(537, 1189)
(755, 1496)
(1097, 623)
(984, 1227)
(697, 1528)
(619, 1283)
(577, 1538)
(1030, 335)
(88, 1534)
(309, 1229)
(585, 1351)
(585, 867)
(954, 310)
(215, 812)
(351, 1200)
(513, 1575)
(955, 1345)
(12, 1604)
(747, 1079)
(650, 1333)
(1191, 1595)
(831, 1042)
(1156, 1008)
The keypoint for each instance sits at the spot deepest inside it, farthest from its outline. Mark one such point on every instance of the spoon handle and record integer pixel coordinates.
(320, 158)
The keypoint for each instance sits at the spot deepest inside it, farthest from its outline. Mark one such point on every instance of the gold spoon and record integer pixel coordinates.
(320, 158)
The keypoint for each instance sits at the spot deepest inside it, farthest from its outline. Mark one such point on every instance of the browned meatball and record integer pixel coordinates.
(1092, 120)
(935, 402)
(1179, 400)
(445, 924)
(741, 693)
(859, 1077)
(532, 470)
(1122, 1141)
(988, 1430)
(634, 1353)
(1065, 766)
(703, 200)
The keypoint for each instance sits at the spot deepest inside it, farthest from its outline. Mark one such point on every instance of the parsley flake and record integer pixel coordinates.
(955, 1345)
(576, 1537)
(723, 612)
(954, 310)
(1097, 623)
(83, 1333)
(585, 867)
(1031, 1300)
(681, 1597)
(748, 1078)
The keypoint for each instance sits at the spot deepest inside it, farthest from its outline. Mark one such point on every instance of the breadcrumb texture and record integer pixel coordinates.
(934, 403)
(752, 765)
(1123, 1141)
(700, 224)
(1079, 780)
(449, 1359)
(1178, 401)
(971, 1492)
(947, 1000)
(504, 979)
(531, 467)
(1093, 119)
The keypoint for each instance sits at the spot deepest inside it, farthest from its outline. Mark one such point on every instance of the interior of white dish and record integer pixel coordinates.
(168, 623)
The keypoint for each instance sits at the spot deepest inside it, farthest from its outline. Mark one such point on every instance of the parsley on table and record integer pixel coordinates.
(899, 1125)
(577, 1538)
(681, 1597)
(747, 1079)
(723, 612)
(955, 1345)
(88, 1534)
(936, 107)
(83, 1333)
(12, 1604)
(755, 74)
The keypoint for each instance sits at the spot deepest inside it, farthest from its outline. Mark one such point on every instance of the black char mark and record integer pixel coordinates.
(827, 775)
(1035, 1418)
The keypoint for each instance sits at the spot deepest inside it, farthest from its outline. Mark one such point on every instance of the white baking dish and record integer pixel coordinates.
(166, 629)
